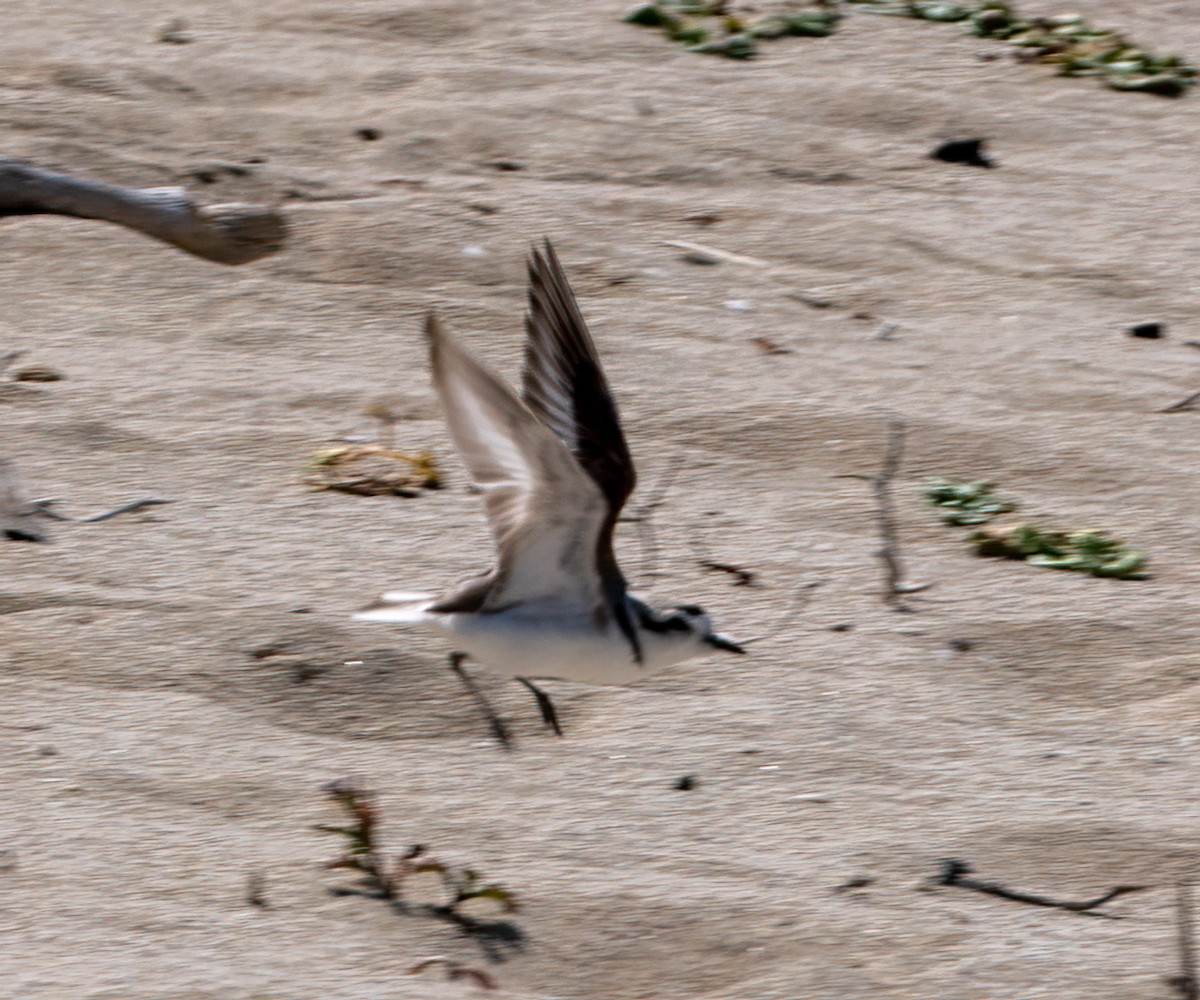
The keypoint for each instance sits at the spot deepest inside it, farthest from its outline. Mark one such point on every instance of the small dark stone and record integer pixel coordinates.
(368, 134)
(302, 673)
(961, 645)
(1148, 331)
(858, 882)
(17, 535)
(686, 783)
(968, 152)
(841, 627)
(505, 165)
(38, 373)
(175, 33)
(211, 173)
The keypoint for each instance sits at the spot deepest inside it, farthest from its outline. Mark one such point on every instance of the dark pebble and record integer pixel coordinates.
(686, 783)
(968, 152)
(368, 134)
(38, 373)
(1147, 331)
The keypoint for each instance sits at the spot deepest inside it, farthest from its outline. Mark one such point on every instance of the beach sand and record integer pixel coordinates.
(176, 685)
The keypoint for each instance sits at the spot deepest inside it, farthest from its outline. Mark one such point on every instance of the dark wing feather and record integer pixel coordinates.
(565, 385)
(565, 388)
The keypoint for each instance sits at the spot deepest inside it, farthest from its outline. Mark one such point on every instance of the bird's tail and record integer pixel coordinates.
(397, 606)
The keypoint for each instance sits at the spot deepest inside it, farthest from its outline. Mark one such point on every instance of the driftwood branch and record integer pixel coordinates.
(227, 234)
(958, 873)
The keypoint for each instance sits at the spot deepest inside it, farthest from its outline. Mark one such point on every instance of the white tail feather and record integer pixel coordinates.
(397, 606)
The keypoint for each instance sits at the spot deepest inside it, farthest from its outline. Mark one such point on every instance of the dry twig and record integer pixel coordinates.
(958, 873)
(894, 585)
(454, 971)
(703, 252)
(1187, 403)
(642, 513)
(125, 508)
(1186, 983)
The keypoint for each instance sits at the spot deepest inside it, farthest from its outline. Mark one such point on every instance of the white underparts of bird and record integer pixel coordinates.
(554, 470)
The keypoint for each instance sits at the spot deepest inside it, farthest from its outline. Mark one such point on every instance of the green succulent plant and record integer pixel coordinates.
(709, 28)
(1070, 42)
(1091, 552)
(965, 503)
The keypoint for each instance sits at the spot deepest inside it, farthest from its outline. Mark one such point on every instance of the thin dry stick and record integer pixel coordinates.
(125, 508)
(1186, 982)
(741, 577)
(803, 593)
(1184, 404)
(885, 516)
(642, 513)
(958, 873)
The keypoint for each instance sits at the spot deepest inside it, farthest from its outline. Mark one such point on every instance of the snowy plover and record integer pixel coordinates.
(554, 471)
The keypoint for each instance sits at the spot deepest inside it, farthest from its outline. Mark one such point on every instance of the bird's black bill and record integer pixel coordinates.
(720, 642)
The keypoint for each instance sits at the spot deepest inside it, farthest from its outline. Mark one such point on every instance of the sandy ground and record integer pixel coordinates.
(176, 685)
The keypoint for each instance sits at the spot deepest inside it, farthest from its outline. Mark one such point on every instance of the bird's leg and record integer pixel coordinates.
(549, 715)
(499, 730)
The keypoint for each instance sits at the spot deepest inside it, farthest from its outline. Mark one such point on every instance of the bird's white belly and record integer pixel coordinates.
(572, 649)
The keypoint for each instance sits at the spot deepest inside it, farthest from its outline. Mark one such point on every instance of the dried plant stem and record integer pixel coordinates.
(889, 549)
(642, 513)
(958, 873)
(1186, 982)
(127, 508)
(1186, 403)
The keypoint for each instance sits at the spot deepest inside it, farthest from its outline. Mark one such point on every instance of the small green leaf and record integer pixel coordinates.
(731, 46)
(649, 15)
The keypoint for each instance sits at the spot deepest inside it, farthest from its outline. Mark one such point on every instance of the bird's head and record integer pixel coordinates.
(700, 625)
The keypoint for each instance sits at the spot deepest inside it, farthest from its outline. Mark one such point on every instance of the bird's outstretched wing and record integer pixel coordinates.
(545, 511)
(564, 385)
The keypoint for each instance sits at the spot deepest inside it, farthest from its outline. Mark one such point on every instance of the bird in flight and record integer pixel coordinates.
(554, 471)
